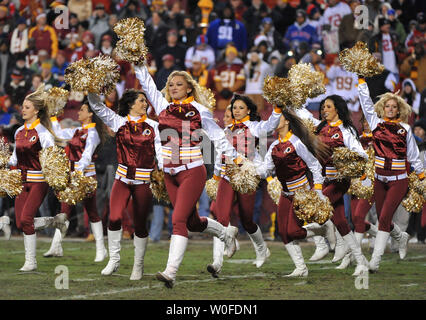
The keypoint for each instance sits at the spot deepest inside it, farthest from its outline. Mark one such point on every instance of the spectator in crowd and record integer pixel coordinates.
(283, 67)
(268, 34)
(198, 71)
(239, 8)
(174, 48)
(414, 66)
(36, 81)
(417, 35)
(112, 20)
(42, 56)
(156, 33)
(6, 22)
(203, 50)
(299, 32)
(314, 15)
(189, 32)
(227, 29)
(48, 78)
(59, 66)
(45, 36)
(98, 23)
(19, 40)
(410, 95)
(82, 8)
(63, 33)
(385, 43)
(82, 47)
(160, 7)
(106, 45)
(405, 10)
(255, 72)
(396, 26)
(283, 15)
(17, 88)
(174, 17)
(253, 17)
(350, 30)
(168, 66)
(133, 9)
(6, 111)
(227, 78)
(382, 83)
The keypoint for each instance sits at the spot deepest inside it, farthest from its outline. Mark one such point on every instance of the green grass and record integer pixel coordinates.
(239, 280)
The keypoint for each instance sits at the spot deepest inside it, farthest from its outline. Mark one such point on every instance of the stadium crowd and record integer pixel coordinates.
(227, 46)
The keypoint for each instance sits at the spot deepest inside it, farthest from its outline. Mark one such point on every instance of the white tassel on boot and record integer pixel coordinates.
(55, 249)
(114, 247)
(5, 226)
(379, 249)
(296, 255)
(226, 234)
(215, 267)
(402, 239)
(361, 261)
(260, 247)
(341, 248)
(30, 253)
(176, 252)
(98, 233)
(140, 248)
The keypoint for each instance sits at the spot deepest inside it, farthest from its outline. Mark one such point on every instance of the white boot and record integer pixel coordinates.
(349, 258)
(295, 253)
(321, 248)
(341, 248)
(140, 247)
(379, 248)
(114, 247)
(176, 252)
(226, 234)
(98, 233)
(260, 247)
(5, 226)
(55, 249)
(373, 230)
(361, 261)
(30, 253)
(216, 266)
(402, 240)
(330, 234)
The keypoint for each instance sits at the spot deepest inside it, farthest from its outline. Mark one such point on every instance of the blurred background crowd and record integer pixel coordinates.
(228, 46)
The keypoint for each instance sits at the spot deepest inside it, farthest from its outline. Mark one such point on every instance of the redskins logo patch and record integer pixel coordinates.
(335, 136)
(190, 114)
(401, 131)
(288, 150)
(33, 138)
(146, 132)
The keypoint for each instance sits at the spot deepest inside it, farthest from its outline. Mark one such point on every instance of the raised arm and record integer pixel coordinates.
(367, 104)
(60, 132)
(149, 87)
(258, 128)
(92, 142)
(109, 117)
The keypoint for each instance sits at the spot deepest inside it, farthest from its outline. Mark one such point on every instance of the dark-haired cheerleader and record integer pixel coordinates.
(138, 143)
(394, 146)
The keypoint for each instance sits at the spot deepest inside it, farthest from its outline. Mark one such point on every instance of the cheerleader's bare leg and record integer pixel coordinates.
(26, 206)
(184, 190)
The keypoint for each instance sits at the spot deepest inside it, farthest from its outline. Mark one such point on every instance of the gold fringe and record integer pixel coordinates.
(55, 167)
(211, 188)
(79, 188)
(349, 164)
(275, 190)
(309, 207)
(10, 183)
(360, 61)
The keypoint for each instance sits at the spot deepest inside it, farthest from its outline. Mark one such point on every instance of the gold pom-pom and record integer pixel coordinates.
(211, 188)
(415, 199)
(356, 188)
(276, 90)
(208, 96)
(4, 153)
(98, 75)
(56, 99)
(349, 164)
(360, 61)
(275, 189)
(131, 45)
(79, 188)
(243, 179)
(309, 207)
(310, 125)
(158, 187)
(10, 183)
(55, 167)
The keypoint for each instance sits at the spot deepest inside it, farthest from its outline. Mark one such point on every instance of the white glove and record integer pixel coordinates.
(320, 194)
(366, 182)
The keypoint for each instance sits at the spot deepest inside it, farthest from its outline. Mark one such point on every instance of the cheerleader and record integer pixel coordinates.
(335, 131)
(290, 157)
(35, 135)
(81, 151)
(138, 143)
(182, 115)
(394, 146)
(244, 133)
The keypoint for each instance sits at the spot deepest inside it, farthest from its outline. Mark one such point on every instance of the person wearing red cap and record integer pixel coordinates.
(183, 112)
(44, 35)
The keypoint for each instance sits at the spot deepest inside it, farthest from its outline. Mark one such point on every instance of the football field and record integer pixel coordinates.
(77, 277)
